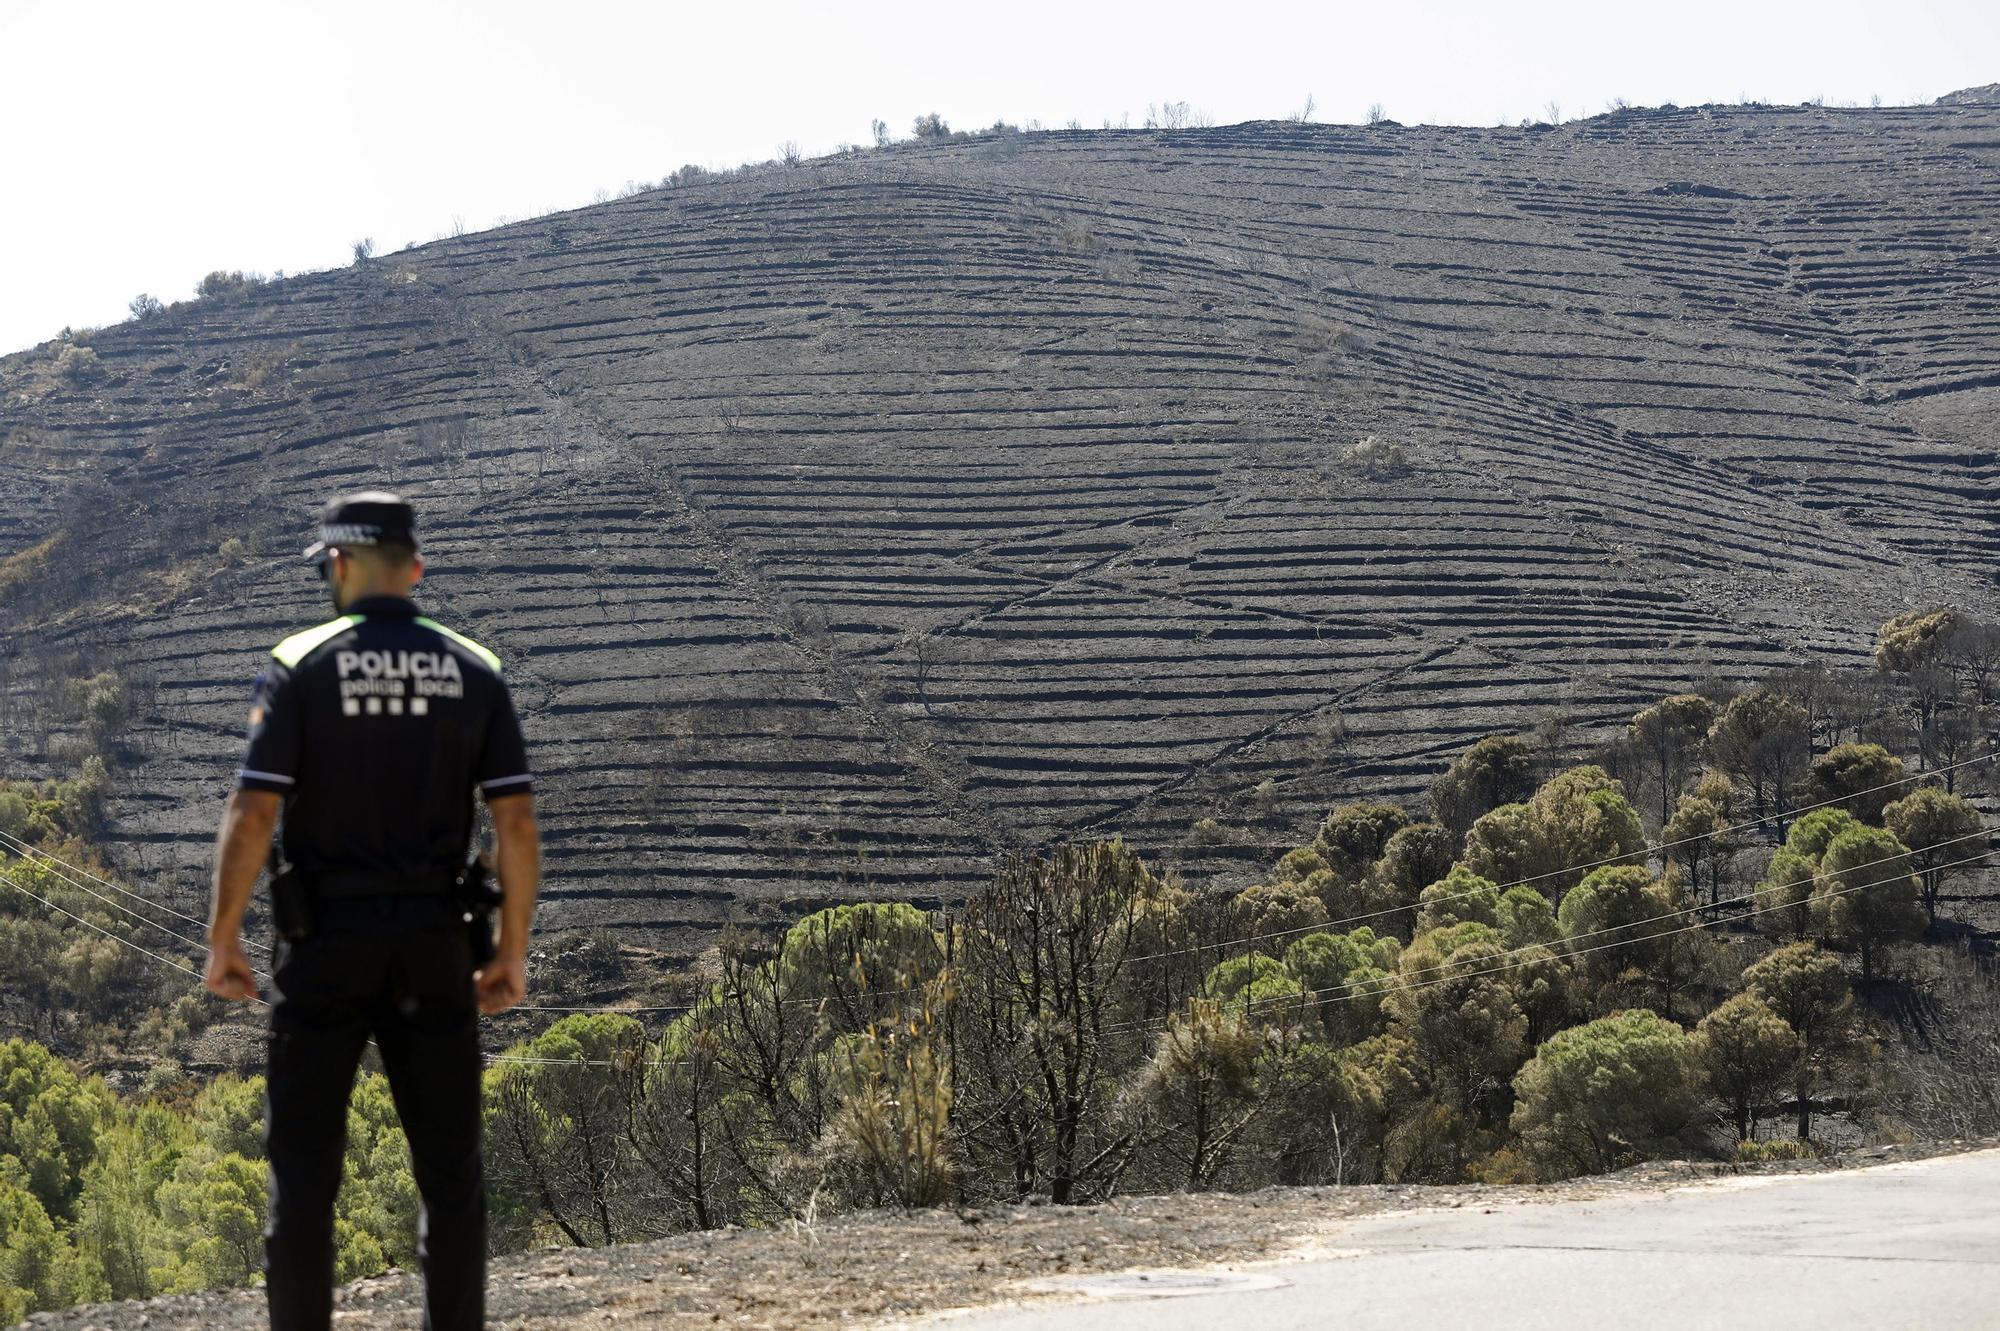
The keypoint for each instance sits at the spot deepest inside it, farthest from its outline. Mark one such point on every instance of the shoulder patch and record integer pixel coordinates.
(492, 661)
(295, 648)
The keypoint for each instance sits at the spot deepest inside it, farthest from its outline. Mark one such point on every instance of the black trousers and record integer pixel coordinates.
(401, 971)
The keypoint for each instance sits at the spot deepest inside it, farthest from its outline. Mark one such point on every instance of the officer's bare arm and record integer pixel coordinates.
(518, 842)
(518, 847)
(241, 847)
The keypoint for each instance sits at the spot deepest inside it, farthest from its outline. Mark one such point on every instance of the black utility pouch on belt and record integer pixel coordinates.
(291, 905)
(478, 898)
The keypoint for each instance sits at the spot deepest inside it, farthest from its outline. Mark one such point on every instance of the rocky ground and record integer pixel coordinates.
(884, 1267)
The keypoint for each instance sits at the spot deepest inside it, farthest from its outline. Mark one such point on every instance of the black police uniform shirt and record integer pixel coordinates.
(377, 727)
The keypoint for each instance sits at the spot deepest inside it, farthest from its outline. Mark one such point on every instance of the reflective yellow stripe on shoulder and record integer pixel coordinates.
(294, 649)
(492, 661)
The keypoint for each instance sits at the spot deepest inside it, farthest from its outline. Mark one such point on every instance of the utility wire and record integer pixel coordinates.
(57, 866)
(1408, 984)
(258, 999)
(90, 924)
(65, 869)
(1331, 926)
(1334, 926)
(1331, 993)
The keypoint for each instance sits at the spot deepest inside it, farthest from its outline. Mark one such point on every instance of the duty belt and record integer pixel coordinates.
(341, 886)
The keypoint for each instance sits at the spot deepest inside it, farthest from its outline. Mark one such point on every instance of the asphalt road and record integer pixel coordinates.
(1908, 1245)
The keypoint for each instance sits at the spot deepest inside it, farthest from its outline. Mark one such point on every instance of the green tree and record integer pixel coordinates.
(1602, 1095)
(1545, 989)
(1672, 733)
(1784, 897)
(1251, 981)
(228, 1116)
(1630, 933)
(1698, 843)
(213, 1207)
(1268, 914)
(1611, 925)
(1196, 1095)
(50, 1118)
(377, 1204)
(555, 1127)
(1456, 898)
(1346, 974)
(858, 958)
(1763, 739)
(1945, 835)
(1497, 770)
(30, 1254)
(1747, 1051)
(1455, 1006)
(1683, 954)
(1525, 918)
(1867, 892)
(1577, 820)
(1381, 1073)
(1354, 836)
(39, 1268)
(118, 1211)
(1807, 987)
(1412, 859)
(1520, 914)
(1857, 778)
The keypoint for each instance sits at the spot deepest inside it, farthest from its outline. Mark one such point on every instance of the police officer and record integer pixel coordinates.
(371, 733)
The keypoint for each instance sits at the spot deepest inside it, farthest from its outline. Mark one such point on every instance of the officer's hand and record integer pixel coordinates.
(502, 984)
(228, 973)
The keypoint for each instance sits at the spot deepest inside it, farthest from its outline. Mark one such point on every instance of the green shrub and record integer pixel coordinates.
(75, 362)
(1377, 459)
(222, 284)
(1776, 1150)
(891, 1140)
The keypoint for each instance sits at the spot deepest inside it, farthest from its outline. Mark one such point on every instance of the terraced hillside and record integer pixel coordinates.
(844, 526)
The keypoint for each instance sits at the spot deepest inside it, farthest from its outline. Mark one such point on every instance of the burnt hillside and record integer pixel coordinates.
(845, 525)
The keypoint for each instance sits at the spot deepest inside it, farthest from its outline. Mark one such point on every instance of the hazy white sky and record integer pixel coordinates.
(150, 142)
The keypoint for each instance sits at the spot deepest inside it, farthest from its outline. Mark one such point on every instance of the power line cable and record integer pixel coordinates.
(1334, 926)
(1408, 985)
(9, 841)
(10, 880)
(599, 1011)
(1331, 926)
(258, 999)
(1330, 994)
(55, 866)
(90, 924)
(65, 868)
(1764, 889)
